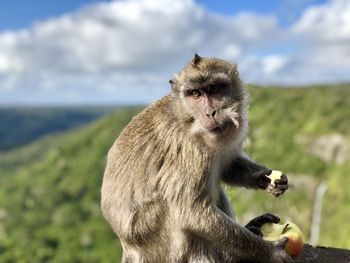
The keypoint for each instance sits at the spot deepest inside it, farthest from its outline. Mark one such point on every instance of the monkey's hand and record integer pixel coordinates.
(255, 224)
(279, 255)
(274, 182)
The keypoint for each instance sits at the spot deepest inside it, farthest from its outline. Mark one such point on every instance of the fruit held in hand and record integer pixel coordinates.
(275, 175)
(273, 232)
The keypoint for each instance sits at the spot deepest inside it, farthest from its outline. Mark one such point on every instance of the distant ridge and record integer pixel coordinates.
(22, 125)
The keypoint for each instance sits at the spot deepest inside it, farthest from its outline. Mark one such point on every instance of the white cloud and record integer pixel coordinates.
(326, 23)
(128, 34)
(320, 52)
(324, 44)
(127, 50)
(117, 45)
(273, 63)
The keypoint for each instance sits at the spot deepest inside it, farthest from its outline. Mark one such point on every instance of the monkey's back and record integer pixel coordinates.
(131, 200)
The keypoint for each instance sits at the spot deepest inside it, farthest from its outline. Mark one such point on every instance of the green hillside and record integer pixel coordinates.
(20, 126)
(50, 190)
(49, 204)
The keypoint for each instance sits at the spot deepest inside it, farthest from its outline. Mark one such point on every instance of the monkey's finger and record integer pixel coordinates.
(282, 187)
(281, 242)
(273, 218)
(277, 193)
(285, 257)
(255, 230)
(263, 219)
(263, 181)
(281, 181)
(284, 176)
(269, 218)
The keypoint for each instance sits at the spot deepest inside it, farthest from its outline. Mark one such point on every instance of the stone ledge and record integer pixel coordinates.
(312, 254)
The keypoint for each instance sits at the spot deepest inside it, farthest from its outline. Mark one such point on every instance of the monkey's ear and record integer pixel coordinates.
(196, 59)
(172, 84)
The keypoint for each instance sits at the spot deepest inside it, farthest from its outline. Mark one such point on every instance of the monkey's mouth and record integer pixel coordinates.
(220, 128)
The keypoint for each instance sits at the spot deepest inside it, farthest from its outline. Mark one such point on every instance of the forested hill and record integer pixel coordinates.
(50, 189)
(22, 125)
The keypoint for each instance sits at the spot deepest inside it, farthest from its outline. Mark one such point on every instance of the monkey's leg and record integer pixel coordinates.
(245, 172)
(224, 205)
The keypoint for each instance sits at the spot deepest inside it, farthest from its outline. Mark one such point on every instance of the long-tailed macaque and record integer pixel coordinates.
(162, 192)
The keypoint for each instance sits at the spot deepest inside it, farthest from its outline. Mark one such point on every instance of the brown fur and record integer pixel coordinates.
(161, 190)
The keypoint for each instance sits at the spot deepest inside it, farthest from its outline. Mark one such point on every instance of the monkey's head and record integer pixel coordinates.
(211, 96)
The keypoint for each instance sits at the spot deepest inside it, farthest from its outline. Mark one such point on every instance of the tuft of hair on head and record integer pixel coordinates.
(196, 59)
(233, 71)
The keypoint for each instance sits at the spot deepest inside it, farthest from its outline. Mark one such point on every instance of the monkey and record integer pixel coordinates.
(162, 186)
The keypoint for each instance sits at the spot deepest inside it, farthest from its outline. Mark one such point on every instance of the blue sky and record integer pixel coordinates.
(287, 11)
(17, 14)
(112, 52)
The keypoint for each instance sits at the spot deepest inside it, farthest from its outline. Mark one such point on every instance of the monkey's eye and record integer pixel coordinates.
(195, 93)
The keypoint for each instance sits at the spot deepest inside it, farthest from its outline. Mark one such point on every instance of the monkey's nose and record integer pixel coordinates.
(210, 113)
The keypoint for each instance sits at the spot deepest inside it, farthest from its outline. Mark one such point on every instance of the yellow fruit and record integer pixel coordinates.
(275, 175)
(273, 232)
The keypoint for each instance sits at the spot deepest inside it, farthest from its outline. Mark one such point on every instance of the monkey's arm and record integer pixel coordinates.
(211, 224)
(245, 172)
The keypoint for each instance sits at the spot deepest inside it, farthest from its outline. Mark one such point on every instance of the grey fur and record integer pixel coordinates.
(161, 190)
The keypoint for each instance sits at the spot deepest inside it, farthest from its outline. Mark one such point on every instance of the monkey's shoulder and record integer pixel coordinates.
(157, 114)
(152, 126)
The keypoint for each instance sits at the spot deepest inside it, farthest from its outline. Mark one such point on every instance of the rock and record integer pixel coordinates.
(312, 254)
(331, 148)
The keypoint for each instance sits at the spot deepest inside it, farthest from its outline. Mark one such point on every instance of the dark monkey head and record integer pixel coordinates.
(212, 97)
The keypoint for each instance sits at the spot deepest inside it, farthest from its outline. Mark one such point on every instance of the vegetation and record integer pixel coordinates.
(20, 126)
(50, 189)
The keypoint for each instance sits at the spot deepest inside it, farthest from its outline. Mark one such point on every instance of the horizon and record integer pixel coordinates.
(124, 52)
(97, 104)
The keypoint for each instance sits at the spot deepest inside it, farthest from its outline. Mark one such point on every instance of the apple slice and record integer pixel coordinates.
(273, 232)
(275, 175)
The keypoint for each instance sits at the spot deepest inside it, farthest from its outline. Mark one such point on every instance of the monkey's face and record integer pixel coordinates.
(208, 104)
(212, 94)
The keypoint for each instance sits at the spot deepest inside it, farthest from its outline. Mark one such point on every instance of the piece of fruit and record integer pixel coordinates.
(273, 232)
(275, 175)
